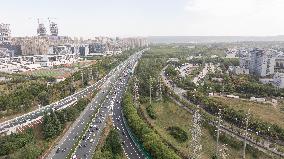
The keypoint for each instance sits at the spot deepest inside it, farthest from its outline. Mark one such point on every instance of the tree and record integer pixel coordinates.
(51, 125)
(43, 98)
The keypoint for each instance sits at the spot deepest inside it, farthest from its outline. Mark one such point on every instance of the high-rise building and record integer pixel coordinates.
(53, 29)
(262, 62)
(5, 33)
(41, 30)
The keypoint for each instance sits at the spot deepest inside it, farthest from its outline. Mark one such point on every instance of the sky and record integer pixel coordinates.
(88, 18)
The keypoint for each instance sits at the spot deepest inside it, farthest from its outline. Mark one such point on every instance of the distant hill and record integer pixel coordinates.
(210, 39)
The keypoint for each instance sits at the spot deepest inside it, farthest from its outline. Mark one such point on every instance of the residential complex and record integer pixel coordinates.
(267, 64)
(19, 54)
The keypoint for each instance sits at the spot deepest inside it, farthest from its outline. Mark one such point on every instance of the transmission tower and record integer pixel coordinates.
(218, 133)
(82, 76)
(246, 133)
(150, 87)
(196, 134)
(91, 77)
(136, 91)
(159, 91)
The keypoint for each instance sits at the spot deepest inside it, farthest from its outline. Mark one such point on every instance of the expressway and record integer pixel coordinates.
(95, 112)
(129, 147)
(11, 125)
(111, 106)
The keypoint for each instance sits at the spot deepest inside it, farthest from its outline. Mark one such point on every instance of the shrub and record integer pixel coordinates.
(179, 134)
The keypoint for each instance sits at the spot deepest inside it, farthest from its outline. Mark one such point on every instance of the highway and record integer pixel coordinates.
(111, 106)
(93, 118)
(129, 147)
(11, 125)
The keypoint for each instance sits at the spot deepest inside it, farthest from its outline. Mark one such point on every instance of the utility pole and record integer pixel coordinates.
(246, 133)
(218, 133)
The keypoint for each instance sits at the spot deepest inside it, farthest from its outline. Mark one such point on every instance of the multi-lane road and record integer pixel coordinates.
(21, 121)
(83, 136)
(128, 145)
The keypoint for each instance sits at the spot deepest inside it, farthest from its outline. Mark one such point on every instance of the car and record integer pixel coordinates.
(91, 140)
(58, 149)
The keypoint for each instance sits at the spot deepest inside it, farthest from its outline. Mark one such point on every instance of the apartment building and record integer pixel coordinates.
(261, 63)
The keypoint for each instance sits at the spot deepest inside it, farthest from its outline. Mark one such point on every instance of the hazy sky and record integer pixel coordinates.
(147, 17)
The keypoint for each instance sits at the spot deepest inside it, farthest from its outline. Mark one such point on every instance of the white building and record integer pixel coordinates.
(278, 80)
(262, 62)
(245, 62)
(238, 70)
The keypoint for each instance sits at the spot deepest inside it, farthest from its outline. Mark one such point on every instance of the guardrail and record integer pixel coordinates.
(139, 146)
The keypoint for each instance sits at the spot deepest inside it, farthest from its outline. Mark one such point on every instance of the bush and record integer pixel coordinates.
(113, 143)
(14, 142)
(151, 112)
(179, 134)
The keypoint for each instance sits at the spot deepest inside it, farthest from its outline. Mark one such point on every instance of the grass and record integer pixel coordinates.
(169, 114)
(263, 111)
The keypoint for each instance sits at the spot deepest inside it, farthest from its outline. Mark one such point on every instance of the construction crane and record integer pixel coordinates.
(53, 27)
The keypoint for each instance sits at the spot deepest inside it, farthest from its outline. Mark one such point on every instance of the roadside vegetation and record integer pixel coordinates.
(170, 122)
(111, 148)
(33, 142)
(151, 141)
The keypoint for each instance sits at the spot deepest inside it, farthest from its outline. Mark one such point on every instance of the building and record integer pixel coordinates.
(262, 62)
(278, 80)
(237, 70)
(41, 30)
(5, 33)
(245, 62)
(84, 50)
